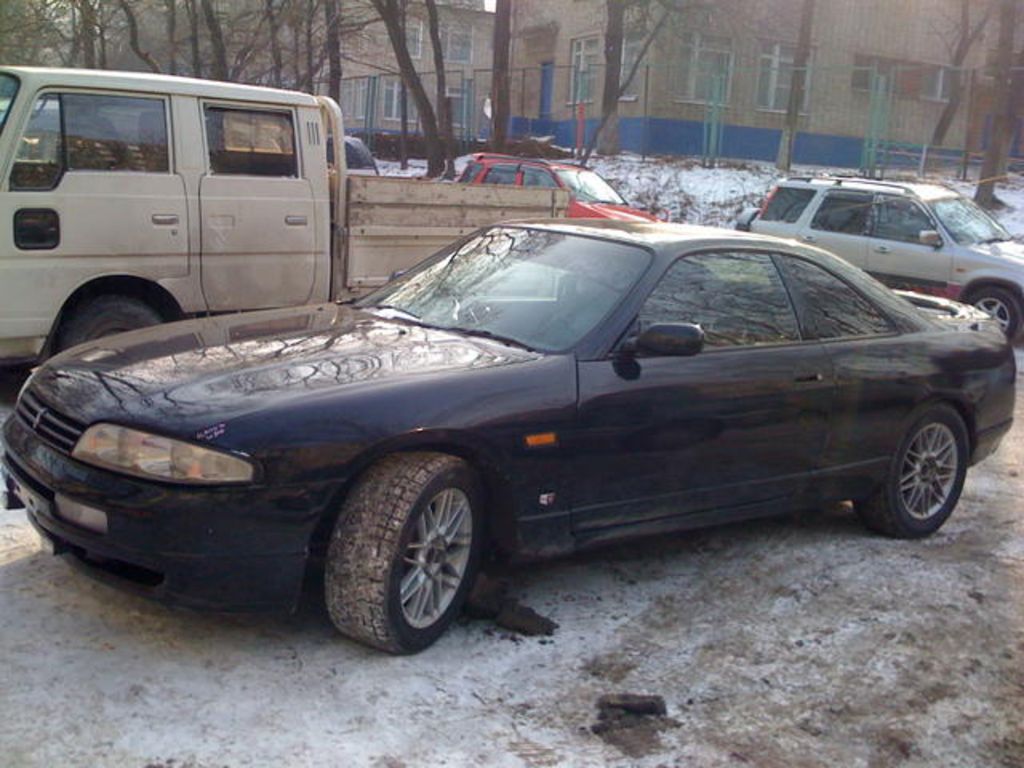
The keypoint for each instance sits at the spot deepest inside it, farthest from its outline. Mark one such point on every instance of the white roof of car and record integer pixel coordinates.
(922, 190)
(37, 77)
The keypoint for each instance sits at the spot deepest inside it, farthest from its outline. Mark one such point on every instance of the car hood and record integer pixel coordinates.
(617, 212)
(186, 376)
(1008, 251)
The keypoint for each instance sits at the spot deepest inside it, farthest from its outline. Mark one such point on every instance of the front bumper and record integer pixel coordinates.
(227, 549)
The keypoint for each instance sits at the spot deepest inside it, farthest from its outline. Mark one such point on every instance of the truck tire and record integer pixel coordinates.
(404, 551)
(925, 477)
(104, 316)
(1003, 305)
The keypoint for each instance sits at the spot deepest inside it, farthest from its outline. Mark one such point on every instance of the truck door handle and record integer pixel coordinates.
(807, 378)
(164, 219)
(810, 239)
(295, 221)
(883, 249)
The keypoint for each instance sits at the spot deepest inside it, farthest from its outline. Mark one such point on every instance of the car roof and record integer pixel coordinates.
(923, 190)
(659, 235)
(484, 157)
(38, 77)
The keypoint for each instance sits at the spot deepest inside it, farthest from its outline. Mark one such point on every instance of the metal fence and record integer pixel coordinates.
(872, 118)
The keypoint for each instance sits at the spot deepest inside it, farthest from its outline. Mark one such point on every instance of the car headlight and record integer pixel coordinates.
(152, 456)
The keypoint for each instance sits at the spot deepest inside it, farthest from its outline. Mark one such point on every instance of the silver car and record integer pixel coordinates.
(919, 237)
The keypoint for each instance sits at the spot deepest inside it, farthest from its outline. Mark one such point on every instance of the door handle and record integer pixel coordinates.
(807, 378)
(295, 221)
(810, 239)
(164, 219)
(883, 249)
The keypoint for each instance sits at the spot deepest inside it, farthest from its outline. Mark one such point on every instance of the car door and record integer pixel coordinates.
(258, 225)
(92, 191)
(895, 252)
(840, 223)
(872, 391)
(663, 439)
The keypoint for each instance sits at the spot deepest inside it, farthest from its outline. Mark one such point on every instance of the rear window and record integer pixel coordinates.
(844, 212)
(251, 142)
(786, 204)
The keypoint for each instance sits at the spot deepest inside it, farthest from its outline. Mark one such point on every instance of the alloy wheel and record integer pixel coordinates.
(997, 308)
(436, 558)
(929, 471)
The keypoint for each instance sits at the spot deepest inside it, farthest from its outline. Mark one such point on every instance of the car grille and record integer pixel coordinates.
(56, 429)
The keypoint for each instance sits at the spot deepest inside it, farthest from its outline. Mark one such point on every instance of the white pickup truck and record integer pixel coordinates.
(131, 199)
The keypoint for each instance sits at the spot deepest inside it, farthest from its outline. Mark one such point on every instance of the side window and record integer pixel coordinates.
(737, 298)
(471, 171)
(538, 177)
(40, 159)
(90, 132)
(897, 218)
(845, 212)
(502, 174)
(244, 142)
(787, 204)
(835, 309)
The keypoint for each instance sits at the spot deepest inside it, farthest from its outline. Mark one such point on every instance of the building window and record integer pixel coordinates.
(631, 47)
(392, 109)
(900, 77)
(585, 52)
(455, 94)
(937, 82)
(457, 44)
(775, 79)
(414, 37)
(353, 98)
(706, 68)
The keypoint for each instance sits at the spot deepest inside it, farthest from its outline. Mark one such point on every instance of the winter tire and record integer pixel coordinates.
(404, 551)
(105, 316)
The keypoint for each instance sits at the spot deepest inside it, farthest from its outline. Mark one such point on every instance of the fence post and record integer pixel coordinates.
(522, 101)
(647, 111)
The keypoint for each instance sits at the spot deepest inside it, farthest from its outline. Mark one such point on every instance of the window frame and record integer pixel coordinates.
(692, 50)
(631, 331)
(776, 62)
(828, 193)
(586, 72)
(491, 168)
(880, 199)
(447, 31)
(252, 107)
(809, 330)
(418, 54)
(59, 92)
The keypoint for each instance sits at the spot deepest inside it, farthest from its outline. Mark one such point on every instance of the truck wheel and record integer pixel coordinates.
(925, 478)
(105, 316)
(404, 551)
(1003, 305)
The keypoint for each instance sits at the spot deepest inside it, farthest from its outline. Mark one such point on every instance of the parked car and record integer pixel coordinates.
(533, 390)
(923, 237)
(115, 216)
(358, 158)
(591, 197)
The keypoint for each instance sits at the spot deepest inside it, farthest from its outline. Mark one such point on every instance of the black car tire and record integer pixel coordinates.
(886, 511)
(105, 316)
(1006, 298)
(366, 556)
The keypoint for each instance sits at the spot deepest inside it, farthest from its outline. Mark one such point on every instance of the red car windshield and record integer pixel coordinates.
(588, 187)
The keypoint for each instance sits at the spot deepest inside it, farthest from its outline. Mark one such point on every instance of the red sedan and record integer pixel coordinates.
(591, 197)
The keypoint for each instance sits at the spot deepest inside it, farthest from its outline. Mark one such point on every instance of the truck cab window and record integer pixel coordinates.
(246, 142)
(40, 159)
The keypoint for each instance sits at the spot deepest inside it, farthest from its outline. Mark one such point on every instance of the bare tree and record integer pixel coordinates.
(133, 37)
(216, 34)
(192, 11)
(444, 105)
(500, 92)
(171, 19)
(392, 13)
(1006, 106)
(332, 22)
(798, 87)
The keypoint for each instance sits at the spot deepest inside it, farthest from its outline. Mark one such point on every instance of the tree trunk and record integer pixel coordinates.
(392, 13)
(309, 80)
(798, 86)
(276, 61)
(220, 55)
(332, 19)
(444, 106)
(172, 36)
(500, 93)
(608, 144)
(193, 37)
(133, 38)
(998, 150)
(87, 32)
(965, 41)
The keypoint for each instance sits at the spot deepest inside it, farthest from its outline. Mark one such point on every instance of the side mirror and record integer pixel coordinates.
(746, 218)
(930, 237)
(671, 340)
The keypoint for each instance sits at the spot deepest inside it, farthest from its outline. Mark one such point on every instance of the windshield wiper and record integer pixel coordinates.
(493, 336)
(997, 239)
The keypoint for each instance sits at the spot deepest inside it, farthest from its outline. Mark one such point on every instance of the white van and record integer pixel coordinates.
(130, 199)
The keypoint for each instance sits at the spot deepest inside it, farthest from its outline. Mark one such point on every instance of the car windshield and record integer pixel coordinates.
(8, 89)
(533, 288)
(588, 187)
(967, 223)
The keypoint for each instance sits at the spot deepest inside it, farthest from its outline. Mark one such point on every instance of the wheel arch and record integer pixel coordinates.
(132, 286)
(980, 283)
